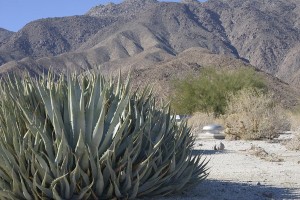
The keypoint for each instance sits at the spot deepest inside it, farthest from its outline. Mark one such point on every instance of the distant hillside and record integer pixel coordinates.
(5, 34)
(145, 34)
(161, 74)
(267, 33)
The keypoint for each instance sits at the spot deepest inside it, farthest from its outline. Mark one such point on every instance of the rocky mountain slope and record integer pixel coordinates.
(144, 35)
(267, 33)
(4, 34)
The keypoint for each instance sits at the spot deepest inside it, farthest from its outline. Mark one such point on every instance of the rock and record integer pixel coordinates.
(219, 146)
(258, 183)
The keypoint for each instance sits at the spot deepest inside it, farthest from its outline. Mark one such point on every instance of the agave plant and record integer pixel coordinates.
(83, 137)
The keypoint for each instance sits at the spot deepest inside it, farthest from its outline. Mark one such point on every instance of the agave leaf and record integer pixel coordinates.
(80, 145)
(4, 176)
(98, 131)
(84, 192)
(137, 116)
(116, 189)
(57, 124)
(124, 146)
(16, 185)
(6, 194)
(151, 183)
(47, 179)
(90, 112)
(114, 124)
(128, 182)
(99, 182)
(118, 133)
(74, 176)
(144, 173)
(85, 177)
(188, 173)
(102, 99)
(181, 170)
(64, 166)
(44, 190)
(137, 148)
(173, 164)
(55, 193)
(110, 190)
(106, 175)
(42, 162)
(56, 181)
(73, 99)
(46, 99)
(86, 136)
(135, 188)
(8, 156)
(67, 123)
(92, 164)
(62, 149)
(25, 191)
(46, 140)
(119, 86)
(81, 115)
(67, 191)
(111, 171)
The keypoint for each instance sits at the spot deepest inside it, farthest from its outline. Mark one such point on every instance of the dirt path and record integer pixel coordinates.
(247, 170)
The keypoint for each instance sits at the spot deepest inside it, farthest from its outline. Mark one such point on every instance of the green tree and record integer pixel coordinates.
(208, 92)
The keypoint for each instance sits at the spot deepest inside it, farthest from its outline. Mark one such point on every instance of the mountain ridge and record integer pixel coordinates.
(139, 34)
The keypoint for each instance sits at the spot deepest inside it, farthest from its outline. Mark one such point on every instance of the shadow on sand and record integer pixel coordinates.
(227, 190)
(208, 152)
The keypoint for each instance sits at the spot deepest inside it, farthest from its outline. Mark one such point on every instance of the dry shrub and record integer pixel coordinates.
(252, 114)
(295, 121)
(294, 143)
(199, 119)
(263, 154)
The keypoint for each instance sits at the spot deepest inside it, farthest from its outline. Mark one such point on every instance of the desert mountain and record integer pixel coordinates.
(267, 33)
(4, 34)
(149, 36)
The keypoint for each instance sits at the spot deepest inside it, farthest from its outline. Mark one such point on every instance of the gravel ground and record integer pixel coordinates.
(246, 170)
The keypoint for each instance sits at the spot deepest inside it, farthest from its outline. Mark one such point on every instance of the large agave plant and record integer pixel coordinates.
(87, 138)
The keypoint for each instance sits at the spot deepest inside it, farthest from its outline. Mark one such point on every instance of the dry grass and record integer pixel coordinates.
(263, 154)
(294, 143)
(294, 118)
(253, 115)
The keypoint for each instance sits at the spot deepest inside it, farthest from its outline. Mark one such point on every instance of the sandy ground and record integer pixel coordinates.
(246, 170)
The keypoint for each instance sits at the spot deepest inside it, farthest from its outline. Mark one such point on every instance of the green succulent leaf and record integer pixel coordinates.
(82, 137)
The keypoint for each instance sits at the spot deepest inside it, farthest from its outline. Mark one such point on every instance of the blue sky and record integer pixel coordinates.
(14, 14)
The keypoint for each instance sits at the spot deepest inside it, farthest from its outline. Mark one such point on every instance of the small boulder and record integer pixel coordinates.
(219, 146)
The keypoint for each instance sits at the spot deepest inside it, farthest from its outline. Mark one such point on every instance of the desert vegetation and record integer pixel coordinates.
(294, 142)
(253, 114)
(88, 138)
(237, 99)
(209, 91)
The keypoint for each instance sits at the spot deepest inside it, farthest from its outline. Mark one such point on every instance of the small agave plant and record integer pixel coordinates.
(83, 137)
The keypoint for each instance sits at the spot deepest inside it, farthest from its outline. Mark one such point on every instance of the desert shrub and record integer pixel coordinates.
(252, 114)
(87, 138)
(209, 91)
(294, 142)
(294, 117)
